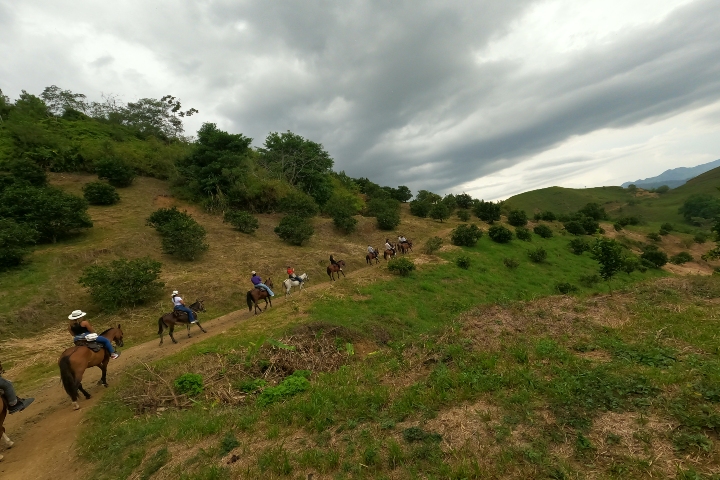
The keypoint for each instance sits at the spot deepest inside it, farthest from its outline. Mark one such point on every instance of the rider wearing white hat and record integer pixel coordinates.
(80, 330)
(179, 304)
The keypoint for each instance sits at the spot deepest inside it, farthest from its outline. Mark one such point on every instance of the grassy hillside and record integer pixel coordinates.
(618, 201)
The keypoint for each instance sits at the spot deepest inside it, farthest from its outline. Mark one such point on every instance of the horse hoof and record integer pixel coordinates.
(1, 457)
(76, 406)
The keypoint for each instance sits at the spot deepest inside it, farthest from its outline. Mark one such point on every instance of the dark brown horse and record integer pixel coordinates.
(75, 360)
(257, 294)
(372, 256)
(405, 246)
(390, 253)
(334, 268)
(3, 413)
(178, 317)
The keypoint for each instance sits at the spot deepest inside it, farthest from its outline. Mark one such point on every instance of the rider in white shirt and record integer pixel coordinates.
(179, 304)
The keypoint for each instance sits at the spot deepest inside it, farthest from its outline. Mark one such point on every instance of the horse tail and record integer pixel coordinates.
(161, 325)
(67, 377)
(249, 300)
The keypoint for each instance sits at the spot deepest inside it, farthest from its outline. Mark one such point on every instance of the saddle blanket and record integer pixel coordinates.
(94, 346)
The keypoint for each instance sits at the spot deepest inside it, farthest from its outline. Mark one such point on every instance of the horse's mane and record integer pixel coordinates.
(103, 333)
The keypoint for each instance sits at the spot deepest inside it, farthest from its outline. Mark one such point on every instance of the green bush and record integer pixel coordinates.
(296, 383)
(548, 216)
(544, 231)
(228, 443)
(653, 236)
(654, 257)
(578, 246)
(299, 204)
(401, 266)
(574, 227)
(594, 211)
(346, 224)
(700, 237)
(420, 209)
(463, 261)
(668, 227)
(511, 263)
(466, 235)
(115, 171)
(183, 237)
(538, 255)
(564, 288)
(625, 221)
(52, 213)
(617, 227)
(630, 263)
(433, 245)
(700, 205)
(439, 211)
(463, 215)
(487, 211)
(590, 280)
(517, 218)
(523, 233)
(15, 239)
(100, 193)
(243, 221)
(388, 219)
(161, 216)
(294, 230)
(464, 201)
(500, 234)
(123, 282)
(680, 258)
(251, 385)
(190, 384)
(342, 207)
(25, 170)
(589, 224)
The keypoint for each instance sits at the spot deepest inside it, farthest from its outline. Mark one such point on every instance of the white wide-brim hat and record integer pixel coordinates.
(253, 272)
(175, 292)
(76, 314)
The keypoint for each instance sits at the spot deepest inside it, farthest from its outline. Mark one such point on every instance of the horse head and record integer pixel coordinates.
(198, 306)
(114, 335)
(269, 282)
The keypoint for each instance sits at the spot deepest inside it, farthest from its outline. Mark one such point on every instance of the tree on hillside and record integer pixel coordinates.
(464, 200)
(608, 253)
(426, 196)
(402, 193)
(594, 211)
(700, 205)
(300, 162)
(219, 160)
(439, 211)
(487, 211)
(60, 101)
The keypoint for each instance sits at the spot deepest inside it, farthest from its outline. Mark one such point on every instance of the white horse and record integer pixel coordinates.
(288, 284)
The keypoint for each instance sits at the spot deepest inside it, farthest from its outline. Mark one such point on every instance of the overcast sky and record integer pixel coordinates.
(488, 97)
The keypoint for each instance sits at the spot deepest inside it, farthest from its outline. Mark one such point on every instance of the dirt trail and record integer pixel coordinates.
(45, 433)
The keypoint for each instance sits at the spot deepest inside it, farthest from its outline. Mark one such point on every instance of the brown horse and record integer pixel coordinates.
(178, 317)
(3, 413)
(257, 294)
(334, 268)
(405, 247)
(390, 253)
(75, 360)
(372, 256)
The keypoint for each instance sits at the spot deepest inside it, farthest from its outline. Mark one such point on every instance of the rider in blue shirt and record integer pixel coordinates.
(257, 281)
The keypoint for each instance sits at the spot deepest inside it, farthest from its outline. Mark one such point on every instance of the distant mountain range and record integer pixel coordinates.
(674, 177)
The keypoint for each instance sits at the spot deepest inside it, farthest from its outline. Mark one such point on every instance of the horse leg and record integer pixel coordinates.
(201, 328)
(162, 331)
(8, 443)
(170, 332)
(103, 368)
(188, 330)
(341, 271)
(83, 391)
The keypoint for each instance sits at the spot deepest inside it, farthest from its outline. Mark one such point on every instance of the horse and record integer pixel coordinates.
(257, 294)
(405, 246)
(75, 360)
(289, 283)
(390, 253)
(169, 320)
(372, 256)
(3, 413)
(334, 268)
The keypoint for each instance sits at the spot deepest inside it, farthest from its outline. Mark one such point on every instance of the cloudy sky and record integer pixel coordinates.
(488, 97)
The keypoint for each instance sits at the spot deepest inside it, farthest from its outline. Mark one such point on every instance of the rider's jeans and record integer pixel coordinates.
(7, 387)
(101, 340)
(262, 285)
(185, 309)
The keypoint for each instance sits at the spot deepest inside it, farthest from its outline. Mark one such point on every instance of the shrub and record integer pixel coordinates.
(630, 263)
(590, 225)
(500, 234)
(574, 227)
(537, 255)
(241, 220)
(668, 227)
(161, 216)
(464, 201)
(26, 170)
(680, 258)
(432, 245)
(548, 216)
(463, 215)
(388, 219)
(228, 443)
(296, 383)
(617, 227)
(655, 258)
(523, 233)
(190, 384)
(662, 189)
(183, 237)
(543, 230)
(251, 385)
(594, 211)
(342, 207)
(578, 246)
(517, 218)
(463, 261)
(298, 204)
(15, 238)
(123, 282)
(294, 230)
(655, 237)
(511, 263)
(52, 213)
(100, 193)
(608, 253)
(401, 266)
(420, 209)
(700, 237)
(439, 211)
(345, 223)
(466, 235)
(590, 280)
(700, 205)
(487, 211)
(564, 288)
(625, 221)
(115, 171)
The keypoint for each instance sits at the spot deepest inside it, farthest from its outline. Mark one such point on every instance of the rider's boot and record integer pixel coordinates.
(114, 355)
(21, 404)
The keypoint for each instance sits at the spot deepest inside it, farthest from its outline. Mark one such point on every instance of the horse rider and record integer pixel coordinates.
(81, 329)
(15, 403)
(332, 261)
(292, 275)
(371, 250)
(257, 281)
(402, 239)
(388, 246)
(179, 304)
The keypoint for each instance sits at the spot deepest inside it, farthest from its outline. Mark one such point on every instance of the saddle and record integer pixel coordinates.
(180, 315)
(92, 345)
